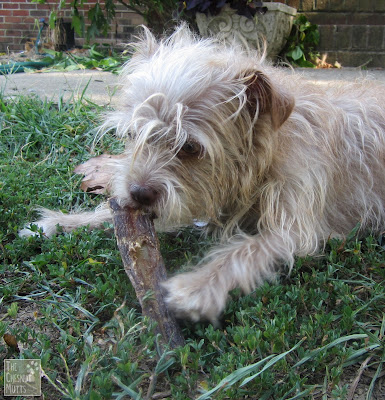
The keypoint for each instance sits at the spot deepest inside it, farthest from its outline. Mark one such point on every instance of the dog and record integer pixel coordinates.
(270, 163)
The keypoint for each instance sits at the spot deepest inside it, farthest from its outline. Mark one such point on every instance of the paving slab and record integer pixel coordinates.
(97, 86)
(323, 75)
(101, 87)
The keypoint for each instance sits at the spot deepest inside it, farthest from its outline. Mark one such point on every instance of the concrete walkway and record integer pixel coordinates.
(101, 87)
(98, 87)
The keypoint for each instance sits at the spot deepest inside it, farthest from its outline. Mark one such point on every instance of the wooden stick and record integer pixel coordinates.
(143, 263)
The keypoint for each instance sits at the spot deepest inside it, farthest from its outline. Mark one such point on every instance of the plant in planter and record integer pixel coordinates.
(300, 48)
(247, 8)
(246, 21)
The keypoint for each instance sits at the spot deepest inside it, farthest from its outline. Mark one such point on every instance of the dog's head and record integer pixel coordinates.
(199, 119)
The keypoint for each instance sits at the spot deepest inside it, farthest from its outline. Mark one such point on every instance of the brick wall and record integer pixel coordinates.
(351, 31)
(18, 23)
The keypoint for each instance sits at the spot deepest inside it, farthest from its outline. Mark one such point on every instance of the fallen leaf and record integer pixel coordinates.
(98, 172)
(11, 341)
(321, 62)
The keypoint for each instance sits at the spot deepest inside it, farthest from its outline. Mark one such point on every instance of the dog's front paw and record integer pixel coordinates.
(47, 224)
(46, 228)
(195, 296)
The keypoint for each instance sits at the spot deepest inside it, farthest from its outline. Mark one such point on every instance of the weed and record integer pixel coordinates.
(302, 42)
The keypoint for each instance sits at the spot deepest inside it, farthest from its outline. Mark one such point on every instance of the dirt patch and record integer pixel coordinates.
(27, 316)
(359, 382)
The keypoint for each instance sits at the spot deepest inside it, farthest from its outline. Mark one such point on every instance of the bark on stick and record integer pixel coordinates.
(143, 263)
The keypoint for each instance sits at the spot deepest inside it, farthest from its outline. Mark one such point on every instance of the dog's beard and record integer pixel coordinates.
(180, 193)
(215, 192)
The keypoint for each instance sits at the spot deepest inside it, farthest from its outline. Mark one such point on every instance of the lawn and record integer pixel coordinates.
(67, 300)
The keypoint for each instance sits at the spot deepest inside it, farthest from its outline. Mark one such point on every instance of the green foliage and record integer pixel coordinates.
(97, 57)
(247, 8)
(68, 301)
(158, 14)
(302, 42)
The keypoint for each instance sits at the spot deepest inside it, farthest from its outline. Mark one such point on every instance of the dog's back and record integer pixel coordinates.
(333, 147)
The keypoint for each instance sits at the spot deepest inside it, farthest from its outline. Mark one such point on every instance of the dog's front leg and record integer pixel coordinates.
(245, 262)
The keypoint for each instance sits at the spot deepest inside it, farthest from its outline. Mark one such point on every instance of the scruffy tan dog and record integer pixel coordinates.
(276, 165)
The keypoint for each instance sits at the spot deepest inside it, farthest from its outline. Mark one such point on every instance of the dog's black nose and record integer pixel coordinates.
(143, 195)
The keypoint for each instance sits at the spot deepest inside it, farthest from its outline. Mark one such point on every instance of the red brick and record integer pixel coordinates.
(15, 26)
(17, 20)
(5, 12)
(338, 5)
(20, 12)
(120, 7)
(322, 5)
(67, 15)
(360, 37)
(28, 6)
(375, 37)
(294, 3)
(45, 7)
(29, 20)
(13, 20)
(343, 37)
(328, 18)
(11, 6)
(39, 13)
(11, 32)
(366, 19)
(327, 34)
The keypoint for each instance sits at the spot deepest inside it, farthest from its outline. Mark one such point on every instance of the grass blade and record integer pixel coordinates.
(126, 389)
(373, 382)
(242, 372)
(273, 361)
(336, 342)
(234, 377)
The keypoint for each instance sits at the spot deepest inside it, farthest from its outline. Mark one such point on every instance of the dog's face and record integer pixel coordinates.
(192, 113)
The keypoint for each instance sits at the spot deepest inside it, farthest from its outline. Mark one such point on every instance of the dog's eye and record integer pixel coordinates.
(190, 148)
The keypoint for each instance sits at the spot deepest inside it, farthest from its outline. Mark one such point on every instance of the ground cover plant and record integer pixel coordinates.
(316, 334)
(99, 57)
(91, 57)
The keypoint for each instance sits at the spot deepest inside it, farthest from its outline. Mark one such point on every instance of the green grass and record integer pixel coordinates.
(68, 301)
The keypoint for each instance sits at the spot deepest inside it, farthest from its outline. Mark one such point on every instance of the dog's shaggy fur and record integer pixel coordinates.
(275, 164)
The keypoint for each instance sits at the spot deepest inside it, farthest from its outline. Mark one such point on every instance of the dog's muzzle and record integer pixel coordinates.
(143, 195)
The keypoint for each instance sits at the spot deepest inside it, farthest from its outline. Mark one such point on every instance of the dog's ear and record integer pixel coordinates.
(268, 98)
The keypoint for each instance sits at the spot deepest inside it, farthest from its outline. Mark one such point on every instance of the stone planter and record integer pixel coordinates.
(274, 27)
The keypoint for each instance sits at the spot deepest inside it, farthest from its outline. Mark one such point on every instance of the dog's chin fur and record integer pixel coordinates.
(276, 164)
